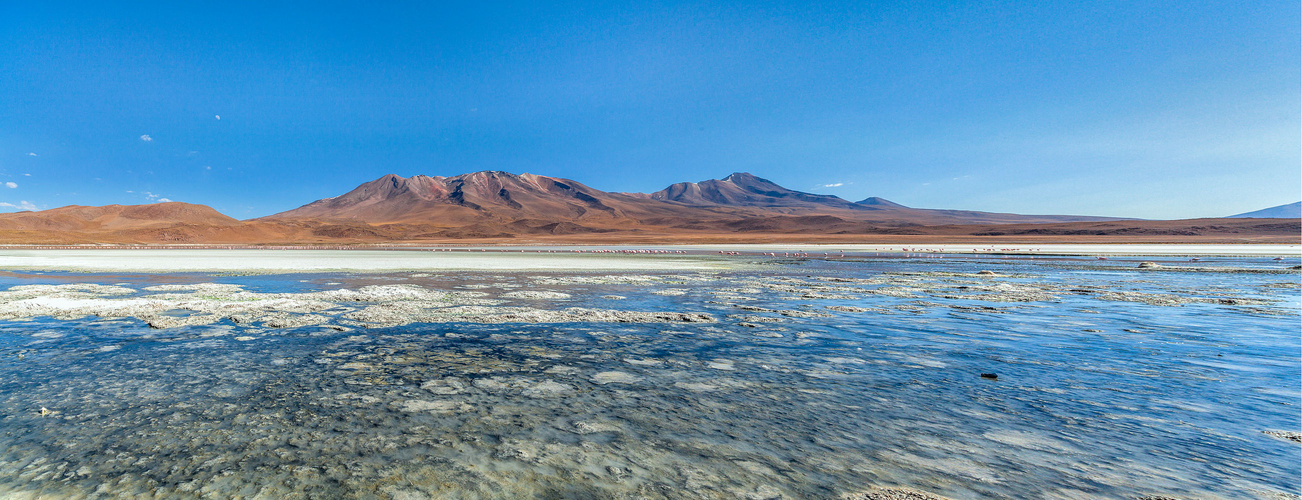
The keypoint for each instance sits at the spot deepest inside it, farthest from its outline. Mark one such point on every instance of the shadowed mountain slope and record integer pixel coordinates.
(1289, 211)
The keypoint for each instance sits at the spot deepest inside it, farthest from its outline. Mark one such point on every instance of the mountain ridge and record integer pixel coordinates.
(485, 196)
(501, 206)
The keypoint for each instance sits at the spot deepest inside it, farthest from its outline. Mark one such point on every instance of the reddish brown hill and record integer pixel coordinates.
(116, 217)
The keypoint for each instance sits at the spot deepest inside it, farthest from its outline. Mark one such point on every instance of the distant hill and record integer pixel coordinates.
(1289, 211)
(172, 222)
(873, 201)
(745, 190)
(115, 217)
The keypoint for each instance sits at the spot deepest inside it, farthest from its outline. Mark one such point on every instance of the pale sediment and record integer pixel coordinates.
(371, 306)
(172, 305)
(893, 494)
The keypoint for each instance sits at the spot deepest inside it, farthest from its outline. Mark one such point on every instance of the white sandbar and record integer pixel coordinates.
(122, 260)
(1109, 249)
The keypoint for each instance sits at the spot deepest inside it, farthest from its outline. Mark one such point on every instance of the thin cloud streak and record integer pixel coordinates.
(22, 205)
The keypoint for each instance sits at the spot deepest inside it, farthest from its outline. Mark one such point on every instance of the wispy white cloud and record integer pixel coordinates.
(11, 185)
(32, 154)
(27, 175)
(146, 138)
(218, 116)
(22, 205)
(155, 198)
(832, 185)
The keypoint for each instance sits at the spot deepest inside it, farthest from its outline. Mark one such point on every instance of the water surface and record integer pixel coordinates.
(816, 379)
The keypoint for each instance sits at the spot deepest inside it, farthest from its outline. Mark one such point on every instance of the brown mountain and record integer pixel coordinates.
(486, 200)
(468, 198)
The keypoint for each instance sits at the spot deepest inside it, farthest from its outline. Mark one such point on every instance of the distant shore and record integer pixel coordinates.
(898, 247)
(311, 258)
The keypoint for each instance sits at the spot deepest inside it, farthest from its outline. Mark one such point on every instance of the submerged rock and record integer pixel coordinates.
(536, 294)
(615, 377)
(1293, 436)
(849, 309)
(893, 494)
(420, 405)
(548, 389)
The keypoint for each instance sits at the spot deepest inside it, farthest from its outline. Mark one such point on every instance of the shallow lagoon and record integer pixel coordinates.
(815, 379)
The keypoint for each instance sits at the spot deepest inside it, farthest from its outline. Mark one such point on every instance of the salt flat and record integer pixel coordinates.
(210, 260)
(546, 258)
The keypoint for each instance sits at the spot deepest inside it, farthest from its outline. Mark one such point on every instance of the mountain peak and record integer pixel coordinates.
(742, 177)
(874, 201)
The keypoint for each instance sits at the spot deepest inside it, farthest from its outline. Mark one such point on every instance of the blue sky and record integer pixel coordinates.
(1142, 109)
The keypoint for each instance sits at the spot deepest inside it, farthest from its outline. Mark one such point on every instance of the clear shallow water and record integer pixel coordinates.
(1119, 389)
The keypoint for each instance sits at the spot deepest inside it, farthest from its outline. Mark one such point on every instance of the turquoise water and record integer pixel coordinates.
(1112, 383)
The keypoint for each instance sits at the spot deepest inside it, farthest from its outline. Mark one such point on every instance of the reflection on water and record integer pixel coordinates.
(1111, 384)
